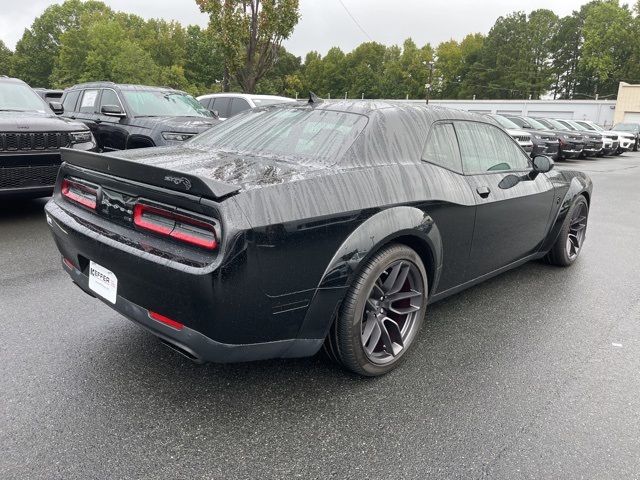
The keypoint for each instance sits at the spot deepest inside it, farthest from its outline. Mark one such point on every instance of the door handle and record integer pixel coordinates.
(483, 191)
(98, 121)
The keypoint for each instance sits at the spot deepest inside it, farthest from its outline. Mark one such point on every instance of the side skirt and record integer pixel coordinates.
(452, 291)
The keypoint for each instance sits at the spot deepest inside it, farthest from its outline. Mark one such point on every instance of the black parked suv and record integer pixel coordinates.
(571, 144)
(31, 137)
(545, 142)
(135, 116)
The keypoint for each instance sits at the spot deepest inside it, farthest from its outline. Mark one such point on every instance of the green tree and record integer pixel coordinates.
(609, 43)
(203, 67)
(275, 81)
(251, 32)
(364, 69)
(102, 49)
(6, 57)
(39, 46)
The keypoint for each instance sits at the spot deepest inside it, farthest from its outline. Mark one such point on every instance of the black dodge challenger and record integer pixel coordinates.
(288, 228)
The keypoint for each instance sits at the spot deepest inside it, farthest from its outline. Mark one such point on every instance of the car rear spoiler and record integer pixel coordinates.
(144, 173)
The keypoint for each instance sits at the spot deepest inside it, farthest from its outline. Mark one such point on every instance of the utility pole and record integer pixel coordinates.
(428, 85)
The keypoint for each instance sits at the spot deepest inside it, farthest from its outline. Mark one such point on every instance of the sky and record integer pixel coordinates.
(326, 23)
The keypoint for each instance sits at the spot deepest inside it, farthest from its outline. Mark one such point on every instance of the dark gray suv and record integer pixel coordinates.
(136, 116)
(31, 137)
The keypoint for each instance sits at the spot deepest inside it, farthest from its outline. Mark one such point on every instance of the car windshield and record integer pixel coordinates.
(18, 97)
(566, 124)
(303, 134)
(554, 124)
(626, 127)
(587, 126)
(577, 126)
(158, 103)
(536, 124)
(505, 122)
(261, 102)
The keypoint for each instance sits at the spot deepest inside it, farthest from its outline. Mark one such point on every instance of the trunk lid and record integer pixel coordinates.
(158, 175)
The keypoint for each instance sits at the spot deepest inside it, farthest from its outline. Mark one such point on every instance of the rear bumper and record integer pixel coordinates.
(225, 306)
(196, 346)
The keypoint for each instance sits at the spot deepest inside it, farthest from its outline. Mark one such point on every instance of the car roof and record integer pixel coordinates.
(123, 86)
(5, 79)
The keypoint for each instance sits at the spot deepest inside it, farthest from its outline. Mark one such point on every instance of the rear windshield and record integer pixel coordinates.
(300, 133)
(20, 98)
(157, 103)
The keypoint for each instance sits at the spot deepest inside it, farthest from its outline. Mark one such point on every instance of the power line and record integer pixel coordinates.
(355, 21)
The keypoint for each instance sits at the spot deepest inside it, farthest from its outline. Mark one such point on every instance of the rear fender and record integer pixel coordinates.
(381, 229)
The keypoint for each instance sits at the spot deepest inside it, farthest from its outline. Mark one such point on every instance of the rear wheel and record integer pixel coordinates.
(574, 229)
(381, 314)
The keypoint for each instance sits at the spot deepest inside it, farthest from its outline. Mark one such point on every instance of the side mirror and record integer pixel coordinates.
(112, 111)
(56, 107)
(542, 164)
(215, 113)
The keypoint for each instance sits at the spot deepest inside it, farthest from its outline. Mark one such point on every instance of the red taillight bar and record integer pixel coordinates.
(166, 320)
(175, 225)
(80, 193)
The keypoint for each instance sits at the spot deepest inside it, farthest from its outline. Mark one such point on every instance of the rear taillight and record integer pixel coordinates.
(176, 225)
(80, 193)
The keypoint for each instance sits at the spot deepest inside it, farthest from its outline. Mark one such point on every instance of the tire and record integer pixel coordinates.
(572, 235)
(371, 336)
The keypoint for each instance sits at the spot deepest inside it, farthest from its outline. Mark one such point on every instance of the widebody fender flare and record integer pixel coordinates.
(403, 223)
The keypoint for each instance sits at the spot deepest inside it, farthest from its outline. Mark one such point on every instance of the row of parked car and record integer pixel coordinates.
(104, 116)
(561, 138)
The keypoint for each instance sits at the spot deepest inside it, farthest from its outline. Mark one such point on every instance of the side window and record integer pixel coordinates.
(109, 97)
(486, 148)
(238, 105)
(70, 100)
(221, 104)
(89, 101)
(442, 147)
(205, 102)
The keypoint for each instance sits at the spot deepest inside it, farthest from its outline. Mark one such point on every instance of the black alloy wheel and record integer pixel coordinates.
(572, 235)
(577, 230)
(382, 312)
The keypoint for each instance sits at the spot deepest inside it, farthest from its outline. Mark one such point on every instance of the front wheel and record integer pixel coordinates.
(574, 229)
(382, 312)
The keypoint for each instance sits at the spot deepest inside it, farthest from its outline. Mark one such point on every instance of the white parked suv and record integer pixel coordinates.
(521, 136)
(226, 105)
(626, 139)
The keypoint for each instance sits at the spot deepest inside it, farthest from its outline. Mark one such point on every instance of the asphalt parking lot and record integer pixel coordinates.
(533, 374)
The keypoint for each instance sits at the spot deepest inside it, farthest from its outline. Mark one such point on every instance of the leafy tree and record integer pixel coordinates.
(364, 67)
(203, 63)
(274, 82)
(541, 27)
(39, 46)
(6, 57)
(609, 43)
(251, 32)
